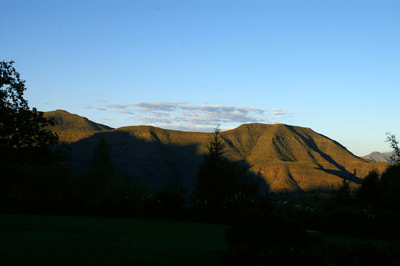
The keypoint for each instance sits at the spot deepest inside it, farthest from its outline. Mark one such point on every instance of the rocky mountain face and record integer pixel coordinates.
(379, 156)
(286, 158)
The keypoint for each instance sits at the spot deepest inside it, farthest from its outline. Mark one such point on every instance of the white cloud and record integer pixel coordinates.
(280, 112)
(194, 128)
(117, 106)
(164, 106)
(205, 117)
(126, 111)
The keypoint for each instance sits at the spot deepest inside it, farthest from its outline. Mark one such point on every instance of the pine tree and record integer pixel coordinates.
(218, 178)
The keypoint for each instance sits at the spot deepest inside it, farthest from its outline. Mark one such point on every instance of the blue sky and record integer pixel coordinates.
(332, 66)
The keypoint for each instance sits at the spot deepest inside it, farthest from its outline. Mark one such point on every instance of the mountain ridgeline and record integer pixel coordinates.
(286, 158)
(379, 156)
(71, 127)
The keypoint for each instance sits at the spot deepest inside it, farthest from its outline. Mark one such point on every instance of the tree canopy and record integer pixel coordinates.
(395, 158)
(24, 137)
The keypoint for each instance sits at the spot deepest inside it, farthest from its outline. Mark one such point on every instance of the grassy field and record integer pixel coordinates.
(64, 240)
(58, 240)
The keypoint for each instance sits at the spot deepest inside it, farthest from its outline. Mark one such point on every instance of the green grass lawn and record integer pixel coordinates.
(58, 240)
(64, 240)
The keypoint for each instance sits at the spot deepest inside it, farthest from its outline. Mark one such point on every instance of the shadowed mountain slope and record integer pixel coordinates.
(288, 158)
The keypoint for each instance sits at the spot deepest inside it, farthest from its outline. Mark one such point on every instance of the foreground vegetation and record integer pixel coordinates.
(258, 229)
(252, 228)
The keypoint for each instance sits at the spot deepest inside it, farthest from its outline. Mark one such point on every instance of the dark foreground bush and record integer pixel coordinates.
(255, 234)
(364, 253)
(348, 220)
(230, 208)
(166, 204)
(40, 189)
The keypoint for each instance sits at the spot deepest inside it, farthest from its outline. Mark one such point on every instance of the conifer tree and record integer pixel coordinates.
(218, 178)
(101, 167)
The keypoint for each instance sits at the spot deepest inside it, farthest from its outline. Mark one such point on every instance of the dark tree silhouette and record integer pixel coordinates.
(218, 178)
(23, 134)
(31, 166)
(101, 154)
(103, 190)
(100, 170)
(395, 158)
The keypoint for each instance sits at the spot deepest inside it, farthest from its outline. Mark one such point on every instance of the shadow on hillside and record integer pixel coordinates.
(342, 172)
(157, 163)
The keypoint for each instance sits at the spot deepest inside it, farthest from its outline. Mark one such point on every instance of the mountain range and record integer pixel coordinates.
(285, 158)
(379, 156)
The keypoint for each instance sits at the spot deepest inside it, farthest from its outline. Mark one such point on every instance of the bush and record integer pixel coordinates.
(118, 195)
(390, 184)
(366, 253)
(254, 233)
(229, 209)
(35, 189)
(381, 191)
(369, 193)
(388, 224)
(351, 220)
(121, 196)
(343, 194)
(167, 203)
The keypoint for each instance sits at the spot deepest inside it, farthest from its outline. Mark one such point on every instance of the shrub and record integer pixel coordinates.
(35, 189)
(390, 184)
(369, 193)
(343, 194)
(351, 220)
(388, 223)
(367, 253)
(167, 203)
(254, 233)
(121, 196)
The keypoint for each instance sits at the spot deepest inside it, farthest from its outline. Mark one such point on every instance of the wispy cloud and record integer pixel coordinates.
(280, 112)
(164, 106)
(196, 128)
(189, 117)
(117, 106)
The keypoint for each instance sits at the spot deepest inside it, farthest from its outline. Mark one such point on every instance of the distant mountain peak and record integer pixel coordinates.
(72, 127)
(377, 156)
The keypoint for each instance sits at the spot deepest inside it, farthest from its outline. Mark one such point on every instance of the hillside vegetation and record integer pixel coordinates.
(288, 158)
